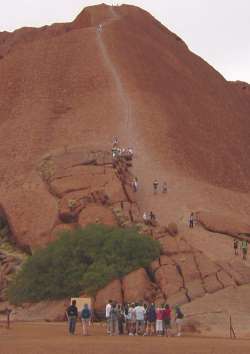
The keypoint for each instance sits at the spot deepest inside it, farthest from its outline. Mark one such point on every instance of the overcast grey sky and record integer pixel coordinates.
(217, 30)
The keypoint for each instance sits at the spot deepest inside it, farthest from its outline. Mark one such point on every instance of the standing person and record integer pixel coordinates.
(72, 314)
(167, 319)
(178, 319)
(145, 218)
(121, 319)
(108, 309)
(191, 220)
(152, 219)
(244, 247)
(114, 330)
(151, 318)
(132, 316)
(126, 317)
(164, 187)
(155, 186)
(236, 246)
(86, 320)
(159, 320)
(140, 313)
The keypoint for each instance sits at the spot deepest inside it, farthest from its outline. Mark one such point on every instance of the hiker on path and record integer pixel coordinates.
(155, 186)
(72, 314)
(86, 319)
(236, 246)
(107, 310)
(191, 220)
(135, 184)
(115, 142)
(244, 247)
(164, 187)
(178, 319)
(145, 218)
(152, 218)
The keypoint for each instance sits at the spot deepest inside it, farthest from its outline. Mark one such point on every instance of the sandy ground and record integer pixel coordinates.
(41, 338)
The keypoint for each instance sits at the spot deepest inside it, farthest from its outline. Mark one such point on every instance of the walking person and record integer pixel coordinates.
(72, 314)
(167, 320)
(191, 220)
(151, 319)
(178, 319)
(140, 313)
(86, 320)
(107, 311)
(155, 186)
(114, 330)
(135, 184)
(244, 247)
(236, 246)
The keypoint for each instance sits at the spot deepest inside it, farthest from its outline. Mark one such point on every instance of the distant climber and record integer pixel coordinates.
(191, 220)
(152, 219)
(155, 186)
(146, 218)
(135, 184)
(164, 187)
(115, 142)
(236, 246)
(244, 247)
(99, 28)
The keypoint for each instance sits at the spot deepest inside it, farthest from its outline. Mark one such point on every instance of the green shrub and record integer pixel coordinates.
(84, 260)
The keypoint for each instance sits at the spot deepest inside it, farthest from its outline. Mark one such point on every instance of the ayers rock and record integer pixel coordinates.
(67, 89)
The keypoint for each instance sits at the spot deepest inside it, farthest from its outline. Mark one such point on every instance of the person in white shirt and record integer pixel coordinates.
(140, 318)
(108, 309)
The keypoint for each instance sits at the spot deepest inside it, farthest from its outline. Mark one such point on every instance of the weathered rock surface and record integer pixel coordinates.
(112, 291)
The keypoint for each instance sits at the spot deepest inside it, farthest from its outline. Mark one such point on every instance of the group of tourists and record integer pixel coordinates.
(243, 245)
(142, 319)
(118, 152)
(132, 319)
(156, 187)
(149, 218)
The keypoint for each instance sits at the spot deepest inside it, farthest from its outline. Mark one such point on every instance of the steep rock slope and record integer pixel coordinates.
(67, 89)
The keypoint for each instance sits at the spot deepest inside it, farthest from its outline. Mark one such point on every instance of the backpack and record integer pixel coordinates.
(85, 314)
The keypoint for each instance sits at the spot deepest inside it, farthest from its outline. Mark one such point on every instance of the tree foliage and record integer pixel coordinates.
(84, 260)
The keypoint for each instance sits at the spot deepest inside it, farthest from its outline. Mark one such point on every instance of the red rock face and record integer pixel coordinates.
(67, 89)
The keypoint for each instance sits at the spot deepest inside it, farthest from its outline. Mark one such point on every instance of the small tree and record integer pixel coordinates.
(83, 260)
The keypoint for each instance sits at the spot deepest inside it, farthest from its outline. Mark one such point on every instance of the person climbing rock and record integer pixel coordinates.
(244, 247)
(191, 220)
(152, 219)
(135, 184)
(115, 142)
(164, 187)
(155, 186)
(236, 246)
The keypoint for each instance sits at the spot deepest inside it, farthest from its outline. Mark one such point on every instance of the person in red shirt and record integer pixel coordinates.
(159, 320)
(167, 320)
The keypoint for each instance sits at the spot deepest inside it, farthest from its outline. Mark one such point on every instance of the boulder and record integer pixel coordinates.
(94, 213)
(169, 245)
(225, 279)
(137, 286)
(223, 223)
(168, 279)
(113, 291)
(195, 289)
(205, 265)
(211, 284)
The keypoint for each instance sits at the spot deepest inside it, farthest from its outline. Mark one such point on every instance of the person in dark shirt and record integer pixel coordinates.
(72, 314)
